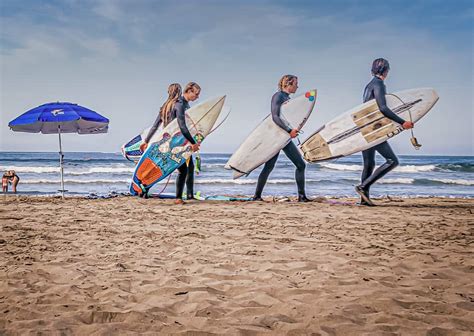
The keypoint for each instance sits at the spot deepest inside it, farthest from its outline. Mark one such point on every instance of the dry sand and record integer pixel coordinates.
(134, 266)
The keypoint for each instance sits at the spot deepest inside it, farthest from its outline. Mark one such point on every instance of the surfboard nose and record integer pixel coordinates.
(429, 94)
(429, 97)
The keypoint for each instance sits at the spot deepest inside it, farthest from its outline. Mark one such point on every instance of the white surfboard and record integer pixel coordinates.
(268, 138)
(364, 126)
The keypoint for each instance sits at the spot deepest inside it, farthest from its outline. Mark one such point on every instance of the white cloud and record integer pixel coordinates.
(109, 9)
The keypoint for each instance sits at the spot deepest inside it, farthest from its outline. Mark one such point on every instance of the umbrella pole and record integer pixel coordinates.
(61, 157)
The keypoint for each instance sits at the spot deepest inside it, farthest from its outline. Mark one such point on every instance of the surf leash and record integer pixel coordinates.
(413, 139)
(166, 185)
(298, 137)
(205, 114)
(220, 124)
(198, 163)
(200, 137)
(397, 110)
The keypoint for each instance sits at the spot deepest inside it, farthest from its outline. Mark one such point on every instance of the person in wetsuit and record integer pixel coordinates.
(186, 170)
(166, 114)
(175, 107)
(376, 90)
(288, 84)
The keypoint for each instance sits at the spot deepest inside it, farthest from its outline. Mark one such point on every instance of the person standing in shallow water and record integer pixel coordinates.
(287, 85)
(376, 90)
(10, 177)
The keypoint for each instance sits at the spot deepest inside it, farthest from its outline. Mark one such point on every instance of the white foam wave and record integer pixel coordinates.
(415, 169)
(248, 181)
(400, 169)
(31, 169)
(70, 171)
(344, 167)
(111, 170)
(397, 181)
(74, 181)
(455, 181)
(197, 181)
(401, 180)
(212, 165)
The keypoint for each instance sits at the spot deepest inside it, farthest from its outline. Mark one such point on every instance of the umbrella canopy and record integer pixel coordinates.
(71, 118)
(57, 118)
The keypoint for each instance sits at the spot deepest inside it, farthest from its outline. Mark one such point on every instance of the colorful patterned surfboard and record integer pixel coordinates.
(171, 149)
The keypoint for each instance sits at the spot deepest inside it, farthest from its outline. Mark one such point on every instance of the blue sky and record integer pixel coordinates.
(118, 57)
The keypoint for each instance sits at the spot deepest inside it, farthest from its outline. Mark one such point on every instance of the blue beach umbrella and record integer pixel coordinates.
(57, 118)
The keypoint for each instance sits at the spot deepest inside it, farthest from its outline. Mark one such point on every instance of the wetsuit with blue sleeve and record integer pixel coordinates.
(290, 150)
(376, 90)
(185, 171)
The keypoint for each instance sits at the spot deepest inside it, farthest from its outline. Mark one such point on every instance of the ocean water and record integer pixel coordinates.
(104, 173)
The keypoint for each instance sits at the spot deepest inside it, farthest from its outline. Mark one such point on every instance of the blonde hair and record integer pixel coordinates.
(285, 81)
(190, 86)
(174, 92)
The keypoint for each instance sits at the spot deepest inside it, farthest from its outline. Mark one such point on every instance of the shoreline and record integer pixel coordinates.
(129, 265)
(267, 198)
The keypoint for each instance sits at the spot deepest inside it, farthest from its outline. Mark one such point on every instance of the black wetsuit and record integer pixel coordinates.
(185, 172)
(172, 114)
(155, 126)
(290, 150)
(376, 90)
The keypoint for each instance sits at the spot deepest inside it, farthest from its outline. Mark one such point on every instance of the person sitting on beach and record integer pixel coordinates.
(175, 107)
(288, 84)
(10, 177)
(376, 90)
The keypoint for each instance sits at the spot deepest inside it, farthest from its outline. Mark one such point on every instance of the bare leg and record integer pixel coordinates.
(15, 181)
(4, 184)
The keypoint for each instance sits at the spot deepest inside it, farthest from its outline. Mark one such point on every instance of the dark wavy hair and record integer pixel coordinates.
(380, 67)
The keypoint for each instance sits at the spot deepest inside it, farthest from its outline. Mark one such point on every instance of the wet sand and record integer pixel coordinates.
(132, 266)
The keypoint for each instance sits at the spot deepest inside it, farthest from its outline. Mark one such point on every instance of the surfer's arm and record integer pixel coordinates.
(277, 101)
(379, 94)
(153, 128)
(181, 116)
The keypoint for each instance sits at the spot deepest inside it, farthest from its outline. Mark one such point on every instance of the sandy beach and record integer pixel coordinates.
(132, 266)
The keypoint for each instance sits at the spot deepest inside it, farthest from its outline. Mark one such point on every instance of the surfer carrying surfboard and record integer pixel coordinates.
(376, 90)
(175, 107)
(287, 85)
(186, 170)
(166, 113)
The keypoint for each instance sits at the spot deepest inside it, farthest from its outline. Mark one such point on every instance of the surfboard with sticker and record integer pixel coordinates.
(169, 149)
(364, 126)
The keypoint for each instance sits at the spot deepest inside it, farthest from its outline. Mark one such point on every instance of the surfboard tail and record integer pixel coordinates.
(148, 172)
